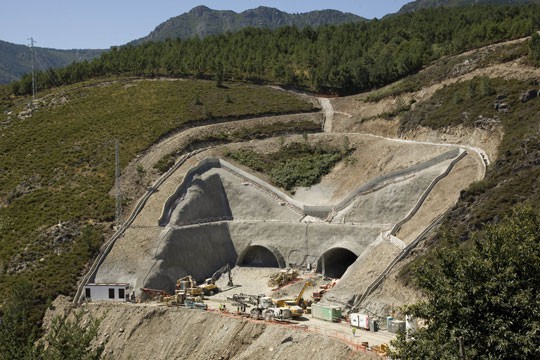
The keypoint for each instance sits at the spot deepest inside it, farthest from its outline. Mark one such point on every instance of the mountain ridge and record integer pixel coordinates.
(16, 60)
(202, 21)
(425, 4)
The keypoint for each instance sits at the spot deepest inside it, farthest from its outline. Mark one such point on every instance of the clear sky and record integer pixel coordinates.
(99, 24)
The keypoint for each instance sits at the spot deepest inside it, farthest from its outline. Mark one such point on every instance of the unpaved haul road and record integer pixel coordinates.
(328, 110)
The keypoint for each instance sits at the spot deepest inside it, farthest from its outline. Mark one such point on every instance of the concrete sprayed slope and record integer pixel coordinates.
(219, 214)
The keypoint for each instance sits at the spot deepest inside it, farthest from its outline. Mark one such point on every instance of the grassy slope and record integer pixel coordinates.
(58, 165)
(513, 178)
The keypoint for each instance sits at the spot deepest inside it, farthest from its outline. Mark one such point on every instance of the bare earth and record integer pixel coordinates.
(150, 331)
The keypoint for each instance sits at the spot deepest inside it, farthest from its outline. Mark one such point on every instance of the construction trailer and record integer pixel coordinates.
(326, 312)
(117, 292)
(360, 321)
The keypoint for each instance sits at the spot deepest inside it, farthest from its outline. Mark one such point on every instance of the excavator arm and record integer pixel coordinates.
(301, 293)
(224, 269)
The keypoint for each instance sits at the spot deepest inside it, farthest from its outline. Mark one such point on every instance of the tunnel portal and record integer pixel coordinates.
(334, 262)
(259, 256)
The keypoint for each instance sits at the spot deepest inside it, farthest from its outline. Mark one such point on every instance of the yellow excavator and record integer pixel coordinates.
(188, 284)
(209, 286)
(296, 305)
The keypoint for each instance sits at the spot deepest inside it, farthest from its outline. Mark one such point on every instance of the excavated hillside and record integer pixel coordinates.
(366, 213)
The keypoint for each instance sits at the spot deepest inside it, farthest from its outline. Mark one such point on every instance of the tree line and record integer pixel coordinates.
(340, 59)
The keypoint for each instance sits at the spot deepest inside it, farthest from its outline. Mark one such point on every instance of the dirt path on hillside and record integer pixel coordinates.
(328, 111)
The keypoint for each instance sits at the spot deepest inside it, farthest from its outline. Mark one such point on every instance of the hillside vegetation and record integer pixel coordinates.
(335, 59)
(57, 166)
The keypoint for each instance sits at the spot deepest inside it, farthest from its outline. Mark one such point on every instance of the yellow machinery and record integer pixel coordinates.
(296, 305)
(209, 287)
(188, 285)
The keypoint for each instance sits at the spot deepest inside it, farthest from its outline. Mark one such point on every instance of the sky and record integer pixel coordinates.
(100, 24)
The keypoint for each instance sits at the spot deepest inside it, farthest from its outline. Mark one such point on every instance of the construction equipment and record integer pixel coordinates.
(187, 285)
(209, 286)
(262, 307)
(282, 277)
(298, 304)
(153, 294)
(317, 295)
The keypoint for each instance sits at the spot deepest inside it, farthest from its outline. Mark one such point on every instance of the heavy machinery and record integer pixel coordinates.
(317, 295)
(189, 286)
(262, 307)
(153, 294)
(282, 277)
(298, 304)
(180, 298)
(209, 286)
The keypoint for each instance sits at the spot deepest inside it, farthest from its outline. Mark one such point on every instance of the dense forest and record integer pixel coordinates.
(340, 59)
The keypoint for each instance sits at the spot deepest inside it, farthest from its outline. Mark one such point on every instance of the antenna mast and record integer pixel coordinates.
(32, 42)
(117, 184)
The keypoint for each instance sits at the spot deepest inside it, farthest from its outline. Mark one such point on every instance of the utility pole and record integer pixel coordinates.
(32, 42)
(461, 348)
(117, 184)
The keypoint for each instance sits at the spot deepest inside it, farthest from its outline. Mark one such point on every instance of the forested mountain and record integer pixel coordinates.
(424, 4)
(16, 60)
(202, 21)
(335, 59)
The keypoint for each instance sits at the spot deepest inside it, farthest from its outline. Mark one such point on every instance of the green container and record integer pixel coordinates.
(326, 312)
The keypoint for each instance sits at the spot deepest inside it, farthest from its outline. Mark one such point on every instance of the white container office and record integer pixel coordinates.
(107, 292)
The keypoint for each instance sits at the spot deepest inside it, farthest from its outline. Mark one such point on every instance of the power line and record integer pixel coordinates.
(32, 42)
(117, 184)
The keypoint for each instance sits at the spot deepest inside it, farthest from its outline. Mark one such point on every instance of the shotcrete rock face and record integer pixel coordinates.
(197, 250)
(205, 200)
(220, 214)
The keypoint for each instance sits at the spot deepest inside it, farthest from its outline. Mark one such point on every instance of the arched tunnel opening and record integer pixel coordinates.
(334, 262)
(259, 256)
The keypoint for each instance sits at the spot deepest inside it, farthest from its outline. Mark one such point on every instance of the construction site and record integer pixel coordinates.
(212, 236)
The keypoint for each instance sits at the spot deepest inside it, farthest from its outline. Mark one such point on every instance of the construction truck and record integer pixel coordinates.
(209, 286)
(297, 305)
(262, 307)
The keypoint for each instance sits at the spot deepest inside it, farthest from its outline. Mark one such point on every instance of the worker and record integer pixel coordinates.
(354, 331)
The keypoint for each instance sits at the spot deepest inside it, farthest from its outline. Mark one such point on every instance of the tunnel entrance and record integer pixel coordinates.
(334, 262)
(259, 256)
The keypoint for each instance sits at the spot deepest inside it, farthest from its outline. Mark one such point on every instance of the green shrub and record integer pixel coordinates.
(295, 164)
(534, 49)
